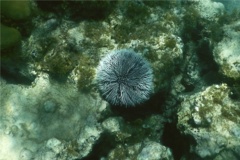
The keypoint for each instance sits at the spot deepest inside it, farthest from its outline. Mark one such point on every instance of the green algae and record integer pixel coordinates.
(170, 42)
(57, 65)
(137, 13)
(86, 73)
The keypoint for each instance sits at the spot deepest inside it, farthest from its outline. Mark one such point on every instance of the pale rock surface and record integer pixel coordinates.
(212, 118)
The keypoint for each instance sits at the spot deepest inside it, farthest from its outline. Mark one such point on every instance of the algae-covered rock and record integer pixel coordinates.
(147, 150)
(112, 124)
(9, 37)
(230, 5)
(154, 150)
(227, 52)
(212, 118)
(135, 140)
(16, 10)
(73, 49)
(209, 9)
(31, 120)
(87, 138)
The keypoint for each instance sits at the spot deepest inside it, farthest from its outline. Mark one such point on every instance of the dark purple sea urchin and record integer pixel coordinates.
(124, 78)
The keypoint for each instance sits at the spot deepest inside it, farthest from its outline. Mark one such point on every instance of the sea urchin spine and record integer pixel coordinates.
(124, 78)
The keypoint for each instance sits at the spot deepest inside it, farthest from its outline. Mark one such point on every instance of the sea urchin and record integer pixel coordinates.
(124, 78)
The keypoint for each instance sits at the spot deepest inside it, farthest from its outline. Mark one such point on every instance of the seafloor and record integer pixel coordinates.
(51, 106)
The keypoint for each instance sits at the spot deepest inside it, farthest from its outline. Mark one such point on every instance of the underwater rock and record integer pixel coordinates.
(148, 150)
(72, 50)
(28, 125)
(228, 154)
(16, 10)
(154, 150)
(9, 37)
(49, 106)
(209, 9)
(227, 52)
(212, 119)
(230, 5)
(164, 53)
(112, 124)
(53, 148)
(159, 44)
(124, 152)
(26, 154)
(55, 145)
(65, 118)
(87, 138)
(129, 138)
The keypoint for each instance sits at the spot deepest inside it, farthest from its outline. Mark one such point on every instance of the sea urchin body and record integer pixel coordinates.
(124, 78)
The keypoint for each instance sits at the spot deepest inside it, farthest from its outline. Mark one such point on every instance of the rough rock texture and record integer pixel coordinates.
(87, 138)
(213, 120)
(153, 150)
(148, 150)
(138, 137)
(30, 116)
(209, 9)
(112, 124)
(227, 52)
(230, 5)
